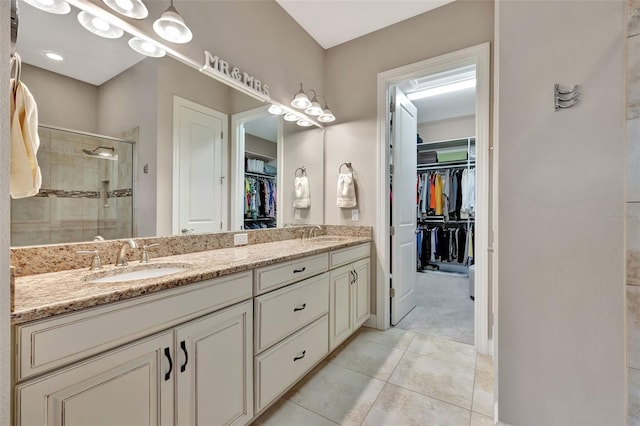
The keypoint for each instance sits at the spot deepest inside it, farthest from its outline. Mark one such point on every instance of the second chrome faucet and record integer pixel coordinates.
(121, 260)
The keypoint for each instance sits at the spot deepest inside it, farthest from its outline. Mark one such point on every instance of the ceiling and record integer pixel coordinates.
(330, 22)
(333, 22)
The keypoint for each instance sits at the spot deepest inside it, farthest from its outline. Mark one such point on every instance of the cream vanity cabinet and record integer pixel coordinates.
(180, 356)
(291, 324)
(349, 292)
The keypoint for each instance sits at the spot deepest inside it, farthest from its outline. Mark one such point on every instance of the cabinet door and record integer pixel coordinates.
(215, 368)
(340, 305)
(132, 385)
(361, 289)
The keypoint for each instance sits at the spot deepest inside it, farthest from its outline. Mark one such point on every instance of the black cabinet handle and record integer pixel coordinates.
(301, 356)
(183, 346)
(167, 353)
(295, 271)
(353, 277)
(356, 273)
(304, 305)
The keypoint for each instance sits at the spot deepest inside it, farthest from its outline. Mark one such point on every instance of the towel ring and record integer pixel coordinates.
(347, 165)
(302, 170)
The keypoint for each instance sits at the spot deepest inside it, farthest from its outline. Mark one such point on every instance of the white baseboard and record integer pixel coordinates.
(372, 321)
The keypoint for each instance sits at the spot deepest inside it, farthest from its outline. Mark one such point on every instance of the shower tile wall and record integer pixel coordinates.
(80, 196)
(633, 210)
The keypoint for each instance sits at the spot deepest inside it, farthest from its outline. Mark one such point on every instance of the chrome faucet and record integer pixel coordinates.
(121, 260)
(312, 231)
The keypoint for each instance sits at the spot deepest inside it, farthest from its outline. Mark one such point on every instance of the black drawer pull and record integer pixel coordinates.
(300, 357)
(167, 353)
(183, 346)
(295, 271)
(304, 305)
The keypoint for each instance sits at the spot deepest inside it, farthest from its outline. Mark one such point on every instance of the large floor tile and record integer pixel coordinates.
(446, 350)
(432, 377)
(392, 337)
(337, 393)
(368, 357)
(483, 393)
(286, 413)
(634, 397)
(480, 420)
(398, 406)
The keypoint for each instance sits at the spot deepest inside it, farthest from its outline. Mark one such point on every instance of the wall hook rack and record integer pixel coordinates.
(565, 98)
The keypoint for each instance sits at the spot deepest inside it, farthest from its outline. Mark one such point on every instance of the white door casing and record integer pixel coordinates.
(480, 56)
(403, 240)
(199, 168)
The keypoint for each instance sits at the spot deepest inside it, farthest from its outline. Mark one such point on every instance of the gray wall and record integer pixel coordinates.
(260, 146)
(62, 101)
(561, 287)
(351, 78)
(451, 128)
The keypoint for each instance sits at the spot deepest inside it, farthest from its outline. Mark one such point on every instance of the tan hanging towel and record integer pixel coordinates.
(346, 196)
(25, 172)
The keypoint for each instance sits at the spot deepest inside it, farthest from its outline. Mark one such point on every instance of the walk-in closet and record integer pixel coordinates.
(445, 199)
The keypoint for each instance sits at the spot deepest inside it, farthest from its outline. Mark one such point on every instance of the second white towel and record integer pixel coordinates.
(301, 197)
(346, 196)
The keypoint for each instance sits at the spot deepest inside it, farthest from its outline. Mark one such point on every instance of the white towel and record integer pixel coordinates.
(301, 198)
(346, 196)
(25, 172)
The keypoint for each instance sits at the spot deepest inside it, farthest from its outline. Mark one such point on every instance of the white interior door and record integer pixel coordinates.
(403, 240)
(200, 196)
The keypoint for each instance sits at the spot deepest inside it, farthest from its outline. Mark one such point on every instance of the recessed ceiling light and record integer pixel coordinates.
(99, 26)
(146, 48)
(131, 8)
(53, 55)
(59, 7)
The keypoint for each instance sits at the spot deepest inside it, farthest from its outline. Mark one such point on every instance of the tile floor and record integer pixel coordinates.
(393, 377)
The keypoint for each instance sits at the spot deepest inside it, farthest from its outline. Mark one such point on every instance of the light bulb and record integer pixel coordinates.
(100, 24)
(125, 4)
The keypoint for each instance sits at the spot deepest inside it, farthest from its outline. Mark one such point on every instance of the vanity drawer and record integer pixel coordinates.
(282, 365)
(50, 343)
(284, 311)
(348, 255)
(272, 277)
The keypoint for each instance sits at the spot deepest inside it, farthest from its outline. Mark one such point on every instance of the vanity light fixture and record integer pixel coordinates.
(326, 116)
(53, 55)
(315, 108)
(303, 122)
(59, 7)
(131, 8)
(146, 48)
(301, 100)
(290, 116)
(99, 26)
(171, 27)
(276, 110)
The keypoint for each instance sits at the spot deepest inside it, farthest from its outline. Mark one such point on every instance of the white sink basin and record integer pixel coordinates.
(137, 272)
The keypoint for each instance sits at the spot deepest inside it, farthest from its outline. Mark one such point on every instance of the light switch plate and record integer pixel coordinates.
(355, 215)
(240, 239)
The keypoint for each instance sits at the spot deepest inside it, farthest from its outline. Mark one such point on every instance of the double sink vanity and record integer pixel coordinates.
(207, 336)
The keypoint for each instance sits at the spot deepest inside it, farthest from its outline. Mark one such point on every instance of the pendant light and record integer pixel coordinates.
(131, 8)
(146, 48)
(301, 100)
(59, 7)
(99, 26)
(171, 27)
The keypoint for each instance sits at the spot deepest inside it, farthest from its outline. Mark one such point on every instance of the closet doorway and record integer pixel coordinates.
(431, 289)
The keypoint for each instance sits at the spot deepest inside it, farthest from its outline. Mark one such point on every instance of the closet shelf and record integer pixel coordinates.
(448, 165)
(449, 143)
(264, 175)
(259, 219)
(257, 156)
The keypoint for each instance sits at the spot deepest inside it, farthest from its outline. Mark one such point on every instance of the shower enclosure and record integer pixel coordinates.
(86, 192)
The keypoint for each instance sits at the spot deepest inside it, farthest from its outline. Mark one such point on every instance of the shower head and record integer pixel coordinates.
(102, 152)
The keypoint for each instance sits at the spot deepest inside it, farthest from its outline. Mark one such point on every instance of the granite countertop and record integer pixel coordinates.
(45, 295)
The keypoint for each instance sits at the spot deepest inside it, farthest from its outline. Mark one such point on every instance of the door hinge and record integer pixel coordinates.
(220, 225)
(391, 168)
(221, 135)
(392, 292)
(392, 106)
(392, 230)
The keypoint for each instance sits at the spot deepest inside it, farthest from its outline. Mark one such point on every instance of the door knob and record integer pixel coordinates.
(185, 230)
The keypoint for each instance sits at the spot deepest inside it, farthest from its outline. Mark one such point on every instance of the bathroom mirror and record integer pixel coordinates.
(138, 99)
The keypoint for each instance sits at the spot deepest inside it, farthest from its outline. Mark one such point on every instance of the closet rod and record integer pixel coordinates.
(447, 166)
